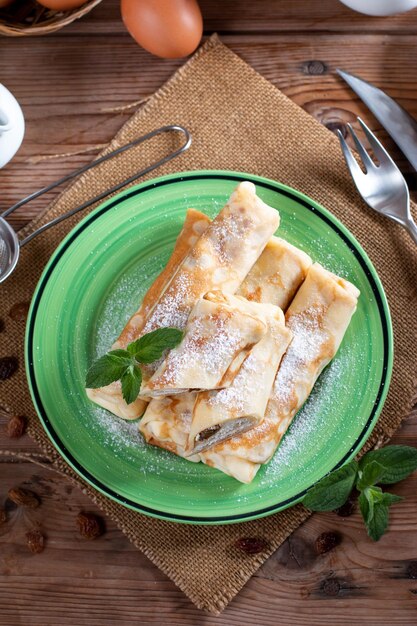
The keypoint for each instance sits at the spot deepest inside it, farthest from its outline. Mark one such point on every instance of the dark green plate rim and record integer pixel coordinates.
(310, 205)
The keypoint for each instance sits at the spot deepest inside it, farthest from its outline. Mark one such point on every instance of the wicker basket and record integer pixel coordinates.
(24, 18)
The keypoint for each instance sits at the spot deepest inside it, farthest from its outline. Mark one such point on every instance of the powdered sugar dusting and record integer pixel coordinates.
(211, 343)
(237, 396)
(305, 347)
(224, 232)
(310, 421)
(124, 440)
(313, 421)
(220, 242)
(119, 434)
(121, 303)
(174, 307)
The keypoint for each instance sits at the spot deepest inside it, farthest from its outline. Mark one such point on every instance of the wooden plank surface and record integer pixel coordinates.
(68, 102)
(276, 16)
(68, 85)
(107, 581)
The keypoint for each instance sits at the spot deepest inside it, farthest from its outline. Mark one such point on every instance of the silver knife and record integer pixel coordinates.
(399, 124)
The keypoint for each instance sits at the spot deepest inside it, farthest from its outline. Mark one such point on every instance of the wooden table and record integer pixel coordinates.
(70, 86)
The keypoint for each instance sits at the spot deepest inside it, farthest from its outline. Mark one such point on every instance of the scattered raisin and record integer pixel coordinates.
(16, 426)
(35, 541)
(89, 525)
(331, 587)
(8, 366)
(19, 311)
(3, 516)
(252, 545)
(412, 570)
(23, 497)
(327, 541)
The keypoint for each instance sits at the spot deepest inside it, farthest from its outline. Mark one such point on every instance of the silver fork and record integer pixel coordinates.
(382, 186)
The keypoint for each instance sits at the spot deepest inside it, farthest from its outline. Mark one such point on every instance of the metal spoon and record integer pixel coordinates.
(9, 241)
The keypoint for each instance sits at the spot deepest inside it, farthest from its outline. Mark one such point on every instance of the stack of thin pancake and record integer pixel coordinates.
(228, 392)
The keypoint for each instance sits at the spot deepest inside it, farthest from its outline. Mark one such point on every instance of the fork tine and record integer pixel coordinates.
(366, 159)
(351, 162)
(377, 147)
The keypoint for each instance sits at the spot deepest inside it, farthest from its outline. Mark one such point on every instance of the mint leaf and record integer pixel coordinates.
(387, 465)
(104, 371)
(123, 364)
(131, 382)
(378, 524)
(391, 498)
(150, 347)
(398, 461)
(122, 354)
(376, 493)
(370, 475)
(367, 499)
(374, 506)
(366, 507)
(333, 490)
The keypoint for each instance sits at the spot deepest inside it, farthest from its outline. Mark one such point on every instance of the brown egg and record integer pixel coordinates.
(61, 5)
(167, 28)
(5, 3)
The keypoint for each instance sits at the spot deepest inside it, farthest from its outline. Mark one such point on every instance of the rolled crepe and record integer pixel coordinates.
(318, 317)
(110, 397)
(218, 415)
(271, 263)
(277, 274)
(195, 225)
(238, 467)
(220, 332)
(220, 259)
(166, 423)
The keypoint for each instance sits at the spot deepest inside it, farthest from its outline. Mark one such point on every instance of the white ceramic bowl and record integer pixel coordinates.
(380, 7)
(12, 126)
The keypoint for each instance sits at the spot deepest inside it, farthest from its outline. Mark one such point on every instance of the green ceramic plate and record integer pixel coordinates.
(95, 281)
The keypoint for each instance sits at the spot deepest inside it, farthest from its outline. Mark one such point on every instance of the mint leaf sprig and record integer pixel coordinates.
(124, 365)
(386, 466)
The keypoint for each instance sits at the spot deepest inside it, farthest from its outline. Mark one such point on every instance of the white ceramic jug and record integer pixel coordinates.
(12, 125)
(380, 7)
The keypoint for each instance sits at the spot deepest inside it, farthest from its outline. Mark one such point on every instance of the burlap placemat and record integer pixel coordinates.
(238, 121)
